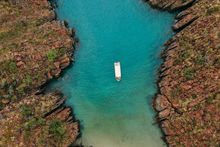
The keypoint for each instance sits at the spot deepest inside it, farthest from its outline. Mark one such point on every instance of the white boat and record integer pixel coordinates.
(117, 71)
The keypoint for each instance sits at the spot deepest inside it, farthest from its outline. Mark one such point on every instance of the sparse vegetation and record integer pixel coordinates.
(175, 92)
(189, 73)
(218, 34)
(29, 44)
(194, 96)
(217, 62)
(28, 80)
(33, 120)
(61, 51)
(27, 39)
(185, 55)
(52, 55)
(9, 66)
(193, 66)
(13, 32)
(31, 124)
(21, 89)
(200, 59)
(26, 111)
(56, 129)
(213, 9)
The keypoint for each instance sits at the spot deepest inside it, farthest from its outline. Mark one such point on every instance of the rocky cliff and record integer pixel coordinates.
(34, 48)
(188, 102)
(38, 120)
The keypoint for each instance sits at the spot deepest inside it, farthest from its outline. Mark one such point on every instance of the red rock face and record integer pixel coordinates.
(34, 48)
(184, 21)
(189, 97)
(37, 51)
(28, 122)
(170, 5)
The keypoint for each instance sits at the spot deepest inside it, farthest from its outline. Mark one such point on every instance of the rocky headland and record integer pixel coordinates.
(188, 101)
(34, 48)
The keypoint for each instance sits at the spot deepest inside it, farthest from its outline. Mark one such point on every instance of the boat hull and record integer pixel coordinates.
(117, 68)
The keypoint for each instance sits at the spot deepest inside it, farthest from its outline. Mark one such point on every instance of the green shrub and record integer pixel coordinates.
(28, 80)
(213, 10)
(175, 92)
(62, 51)
(218, 34)
(189, 73)
(217, 62)
(12, 66)
(9, 66)
(209, 99)
(194, 96)
(56, 129)
(4, 35)
(2, 50)
(38, 22)
(1, 106)
(32, 124)
(21, 89)
(21, 25)
(185, 55)
(200, 59)
(177, 61)
(52, 55)
(26, 111)
(14, 32)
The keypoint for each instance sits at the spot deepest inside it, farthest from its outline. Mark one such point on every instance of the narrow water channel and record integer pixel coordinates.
(114, 114)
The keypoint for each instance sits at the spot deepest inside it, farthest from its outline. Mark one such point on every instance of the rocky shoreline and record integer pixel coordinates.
(188, 101)
(34, 48)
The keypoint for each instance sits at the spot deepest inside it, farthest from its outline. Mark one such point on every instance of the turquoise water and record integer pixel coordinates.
(114, 114)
